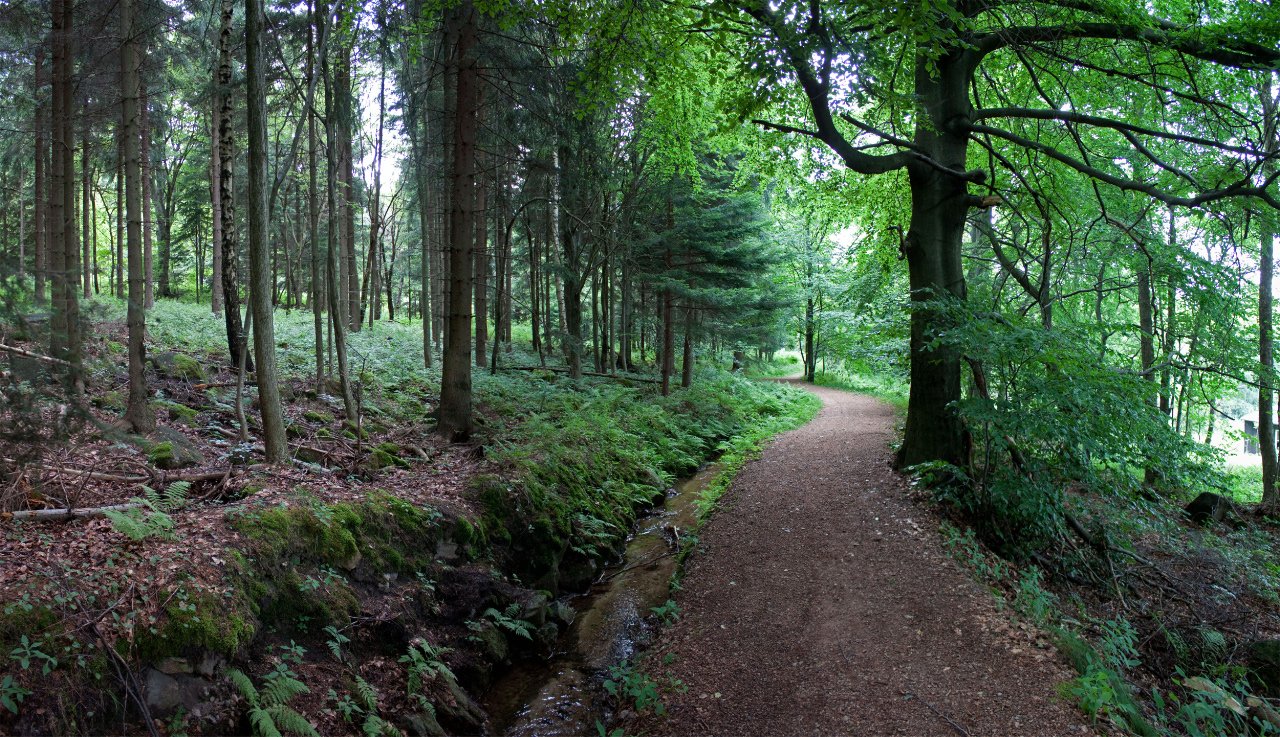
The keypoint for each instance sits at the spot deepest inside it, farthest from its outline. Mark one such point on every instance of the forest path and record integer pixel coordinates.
(822, 602)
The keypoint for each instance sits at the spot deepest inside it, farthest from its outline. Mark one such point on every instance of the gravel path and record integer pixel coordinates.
(822, 603)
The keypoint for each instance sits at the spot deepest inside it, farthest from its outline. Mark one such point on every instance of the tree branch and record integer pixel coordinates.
(1230, 52)
(1117, 125)
(1241, 188)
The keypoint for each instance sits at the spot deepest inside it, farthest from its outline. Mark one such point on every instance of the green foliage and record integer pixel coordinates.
(269, 710)
(151, 517)
(584, 454)
(629, 684)
(510, 621)
(667, 612)
(29, 651)
(425, 663)
(11, 694)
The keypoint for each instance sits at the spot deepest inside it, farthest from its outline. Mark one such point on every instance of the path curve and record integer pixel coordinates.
(821, 602)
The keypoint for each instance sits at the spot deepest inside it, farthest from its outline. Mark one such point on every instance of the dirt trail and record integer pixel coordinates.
(823, 603)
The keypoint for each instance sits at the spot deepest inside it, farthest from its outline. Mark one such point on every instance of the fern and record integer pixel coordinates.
(264, 725)
(510, 622)
(268, 712)
(243, 684)
(366, 694)
(376, 726)
(176, 495)
(151, 517)
(280, 687)
(291, 721)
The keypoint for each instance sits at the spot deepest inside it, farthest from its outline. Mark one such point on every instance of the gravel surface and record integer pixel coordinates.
(821, 602)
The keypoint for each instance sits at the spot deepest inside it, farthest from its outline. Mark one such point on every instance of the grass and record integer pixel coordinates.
(887, 388)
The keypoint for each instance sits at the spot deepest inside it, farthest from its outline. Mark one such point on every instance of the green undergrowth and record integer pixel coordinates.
(584, 457)
(884, 387)
(1205, 694)
(782, 364)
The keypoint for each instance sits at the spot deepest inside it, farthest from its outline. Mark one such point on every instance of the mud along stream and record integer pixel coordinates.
(557, 696)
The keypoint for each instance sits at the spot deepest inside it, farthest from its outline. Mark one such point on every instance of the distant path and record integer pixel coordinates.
(822, 603)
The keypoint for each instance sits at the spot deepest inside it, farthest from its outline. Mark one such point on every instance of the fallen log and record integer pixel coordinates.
(51, 515)
(36, 356)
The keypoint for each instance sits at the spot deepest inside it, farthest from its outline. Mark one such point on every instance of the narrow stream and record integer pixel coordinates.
(556, 696)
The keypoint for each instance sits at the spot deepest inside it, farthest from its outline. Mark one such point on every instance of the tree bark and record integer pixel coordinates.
(454, 421)
(41, 186)
(147, 200)
(1266, 236)
(319, 11)
(481, 254)
(939, 207)
(260, 288)
(138, 415)
(66, 341)
(215, 200)
(686, 363)
(226, 183)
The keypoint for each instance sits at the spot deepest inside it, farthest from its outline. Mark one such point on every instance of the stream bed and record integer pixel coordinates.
(557, 696)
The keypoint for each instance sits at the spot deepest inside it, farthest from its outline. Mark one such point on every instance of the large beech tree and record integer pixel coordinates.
(927, 91)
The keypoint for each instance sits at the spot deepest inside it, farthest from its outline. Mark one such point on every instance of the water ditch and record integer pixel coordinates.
(558, 696)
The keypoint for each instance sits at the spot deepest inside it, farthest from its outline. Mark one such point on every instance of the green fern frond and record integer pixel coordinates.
(262, 722)
(291, 721)
(367, 694)
(243, 684)
(279, 689)
(175, 496)
(376, 726)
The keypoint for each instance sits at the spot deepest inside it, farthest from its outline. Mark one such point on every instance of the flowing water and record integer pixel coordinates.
(557, 696)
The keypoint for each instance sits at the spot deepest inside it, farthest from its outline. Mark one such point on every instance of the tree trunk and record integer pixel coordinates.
(418, 126)
(481, 255)
(65, 323)
(939, 206)
(342, 105)
(319, 12)
(41, 267)
(86, 258)
(337, 300)
(1266, 235)
(226, 182)
(138, 415)
(810, 357)
(454, 421)
(118, 265)
(260, 288)
(215, 199)
(686, 363)
(668, 337)
(147, 200)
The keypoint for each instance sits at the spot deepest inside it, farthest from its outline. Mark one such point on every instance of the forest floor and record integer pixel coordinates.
(821, 601)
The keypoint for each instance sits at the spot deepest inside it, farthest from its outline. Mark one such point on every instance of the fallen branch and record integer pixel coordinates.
(959, 730)
(51, 515)
(28, 354)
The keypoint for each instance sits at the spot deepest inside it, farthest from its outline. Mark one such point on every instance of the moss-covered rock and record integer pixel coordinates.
(113, 401)
(172, 365)
(318, 416)
(173, 451)
(385, 455)
(176, 412)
